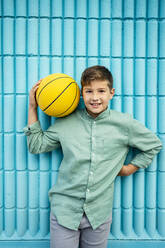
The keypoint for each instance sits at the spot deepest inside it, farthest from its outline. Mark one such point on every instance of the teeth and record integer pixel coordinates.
(95, 104)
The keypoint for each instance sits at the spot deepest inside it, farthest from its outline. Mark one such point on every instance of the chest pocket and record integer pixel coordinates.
(111, 149)
(108, 149)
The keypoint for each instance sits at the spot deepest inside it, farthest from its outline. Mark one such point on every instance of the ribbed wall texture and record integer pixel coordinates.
(39, 37)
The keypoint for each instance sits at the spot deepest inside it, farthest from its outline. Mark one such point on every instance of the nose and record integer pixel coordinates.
(95, 97)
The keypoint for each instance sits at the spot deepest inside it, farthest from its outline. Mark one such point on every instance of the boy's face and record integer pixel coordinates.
(96, 97)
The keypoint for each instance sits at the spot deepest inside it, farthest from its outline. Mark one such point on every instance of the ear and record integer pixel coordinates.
(112, 92)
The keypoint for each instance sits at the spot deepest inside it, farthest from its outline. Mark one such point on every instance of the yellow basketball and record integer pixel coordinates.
(58, 95)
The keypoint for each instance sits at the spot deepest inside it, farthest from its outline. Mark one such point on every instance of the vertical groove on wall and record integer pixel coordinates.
(16, 207)
(62, 36)
(2, 134)
(87, 30)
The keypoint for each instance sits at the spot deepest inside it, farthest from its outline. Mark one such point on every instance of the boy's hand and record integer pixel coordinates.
(32, 95)
(127, 170)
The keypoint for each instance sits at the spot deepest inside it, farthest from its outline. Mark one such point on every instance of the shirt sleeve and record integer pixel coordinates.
(144, 140)
(40, 141)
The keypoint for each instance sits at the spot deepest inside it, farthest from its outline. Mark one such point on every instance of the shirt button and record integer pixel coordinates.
(88, 190)
(91, 173)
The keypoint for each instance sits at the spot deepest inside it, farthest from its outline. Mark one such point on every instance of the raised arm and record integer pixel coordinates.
(39, 141)
(32, 113)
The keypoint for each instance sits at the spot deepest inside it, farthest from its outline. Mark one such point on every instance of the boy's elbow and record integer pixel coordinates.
(159, 147)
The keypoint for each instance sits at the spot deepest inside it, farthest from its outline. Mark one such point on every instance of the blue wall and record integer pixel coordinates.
(39, 37)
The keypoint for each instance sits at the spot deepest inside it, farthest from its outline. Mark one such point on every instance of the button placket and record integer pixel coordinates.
(93, 138)
(93, 155)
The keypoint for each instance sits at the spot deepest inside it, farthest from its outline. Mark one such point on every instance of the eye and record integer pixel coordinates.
(101, 91)
(88, 91)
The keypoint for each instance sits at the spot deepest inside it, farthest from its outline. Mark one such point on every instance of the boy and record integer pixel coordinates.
(95, 142)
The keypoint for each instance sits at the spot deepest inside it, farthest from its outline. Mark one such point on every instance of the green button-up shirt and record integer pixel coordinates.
(94, 152)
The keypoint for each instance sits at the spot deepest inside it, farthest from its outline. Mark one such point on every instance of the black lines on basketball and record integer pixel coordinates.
(71, 104)
(48, 84)
(59, 95)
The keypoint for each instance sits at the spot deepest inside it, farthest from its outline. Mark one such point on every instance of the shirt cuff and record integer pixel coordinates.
(29, 129)
(139, 163)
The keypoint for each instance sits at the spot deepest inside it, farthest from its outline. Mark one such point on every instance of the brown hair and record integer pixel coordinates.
(96, 72)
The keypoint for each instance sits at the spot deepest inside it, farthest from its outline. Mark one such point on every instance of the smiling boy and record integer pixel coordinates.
(95, 142)
(96, 97)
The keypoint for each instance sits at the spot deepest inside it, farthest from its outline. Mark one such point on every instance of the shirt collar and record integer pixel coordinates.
(104, 114)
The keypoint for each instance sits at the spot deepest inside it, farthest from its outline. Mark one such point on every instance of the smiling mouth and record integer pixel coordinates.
(95, 104)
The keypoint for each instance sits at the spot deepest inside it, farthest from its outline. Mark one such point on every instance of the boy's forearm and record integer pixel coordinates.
(32, 115)
(127, 170)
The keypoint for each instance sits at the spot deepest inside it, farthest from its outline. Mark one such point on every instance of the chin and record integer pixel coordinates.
(97, 112)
